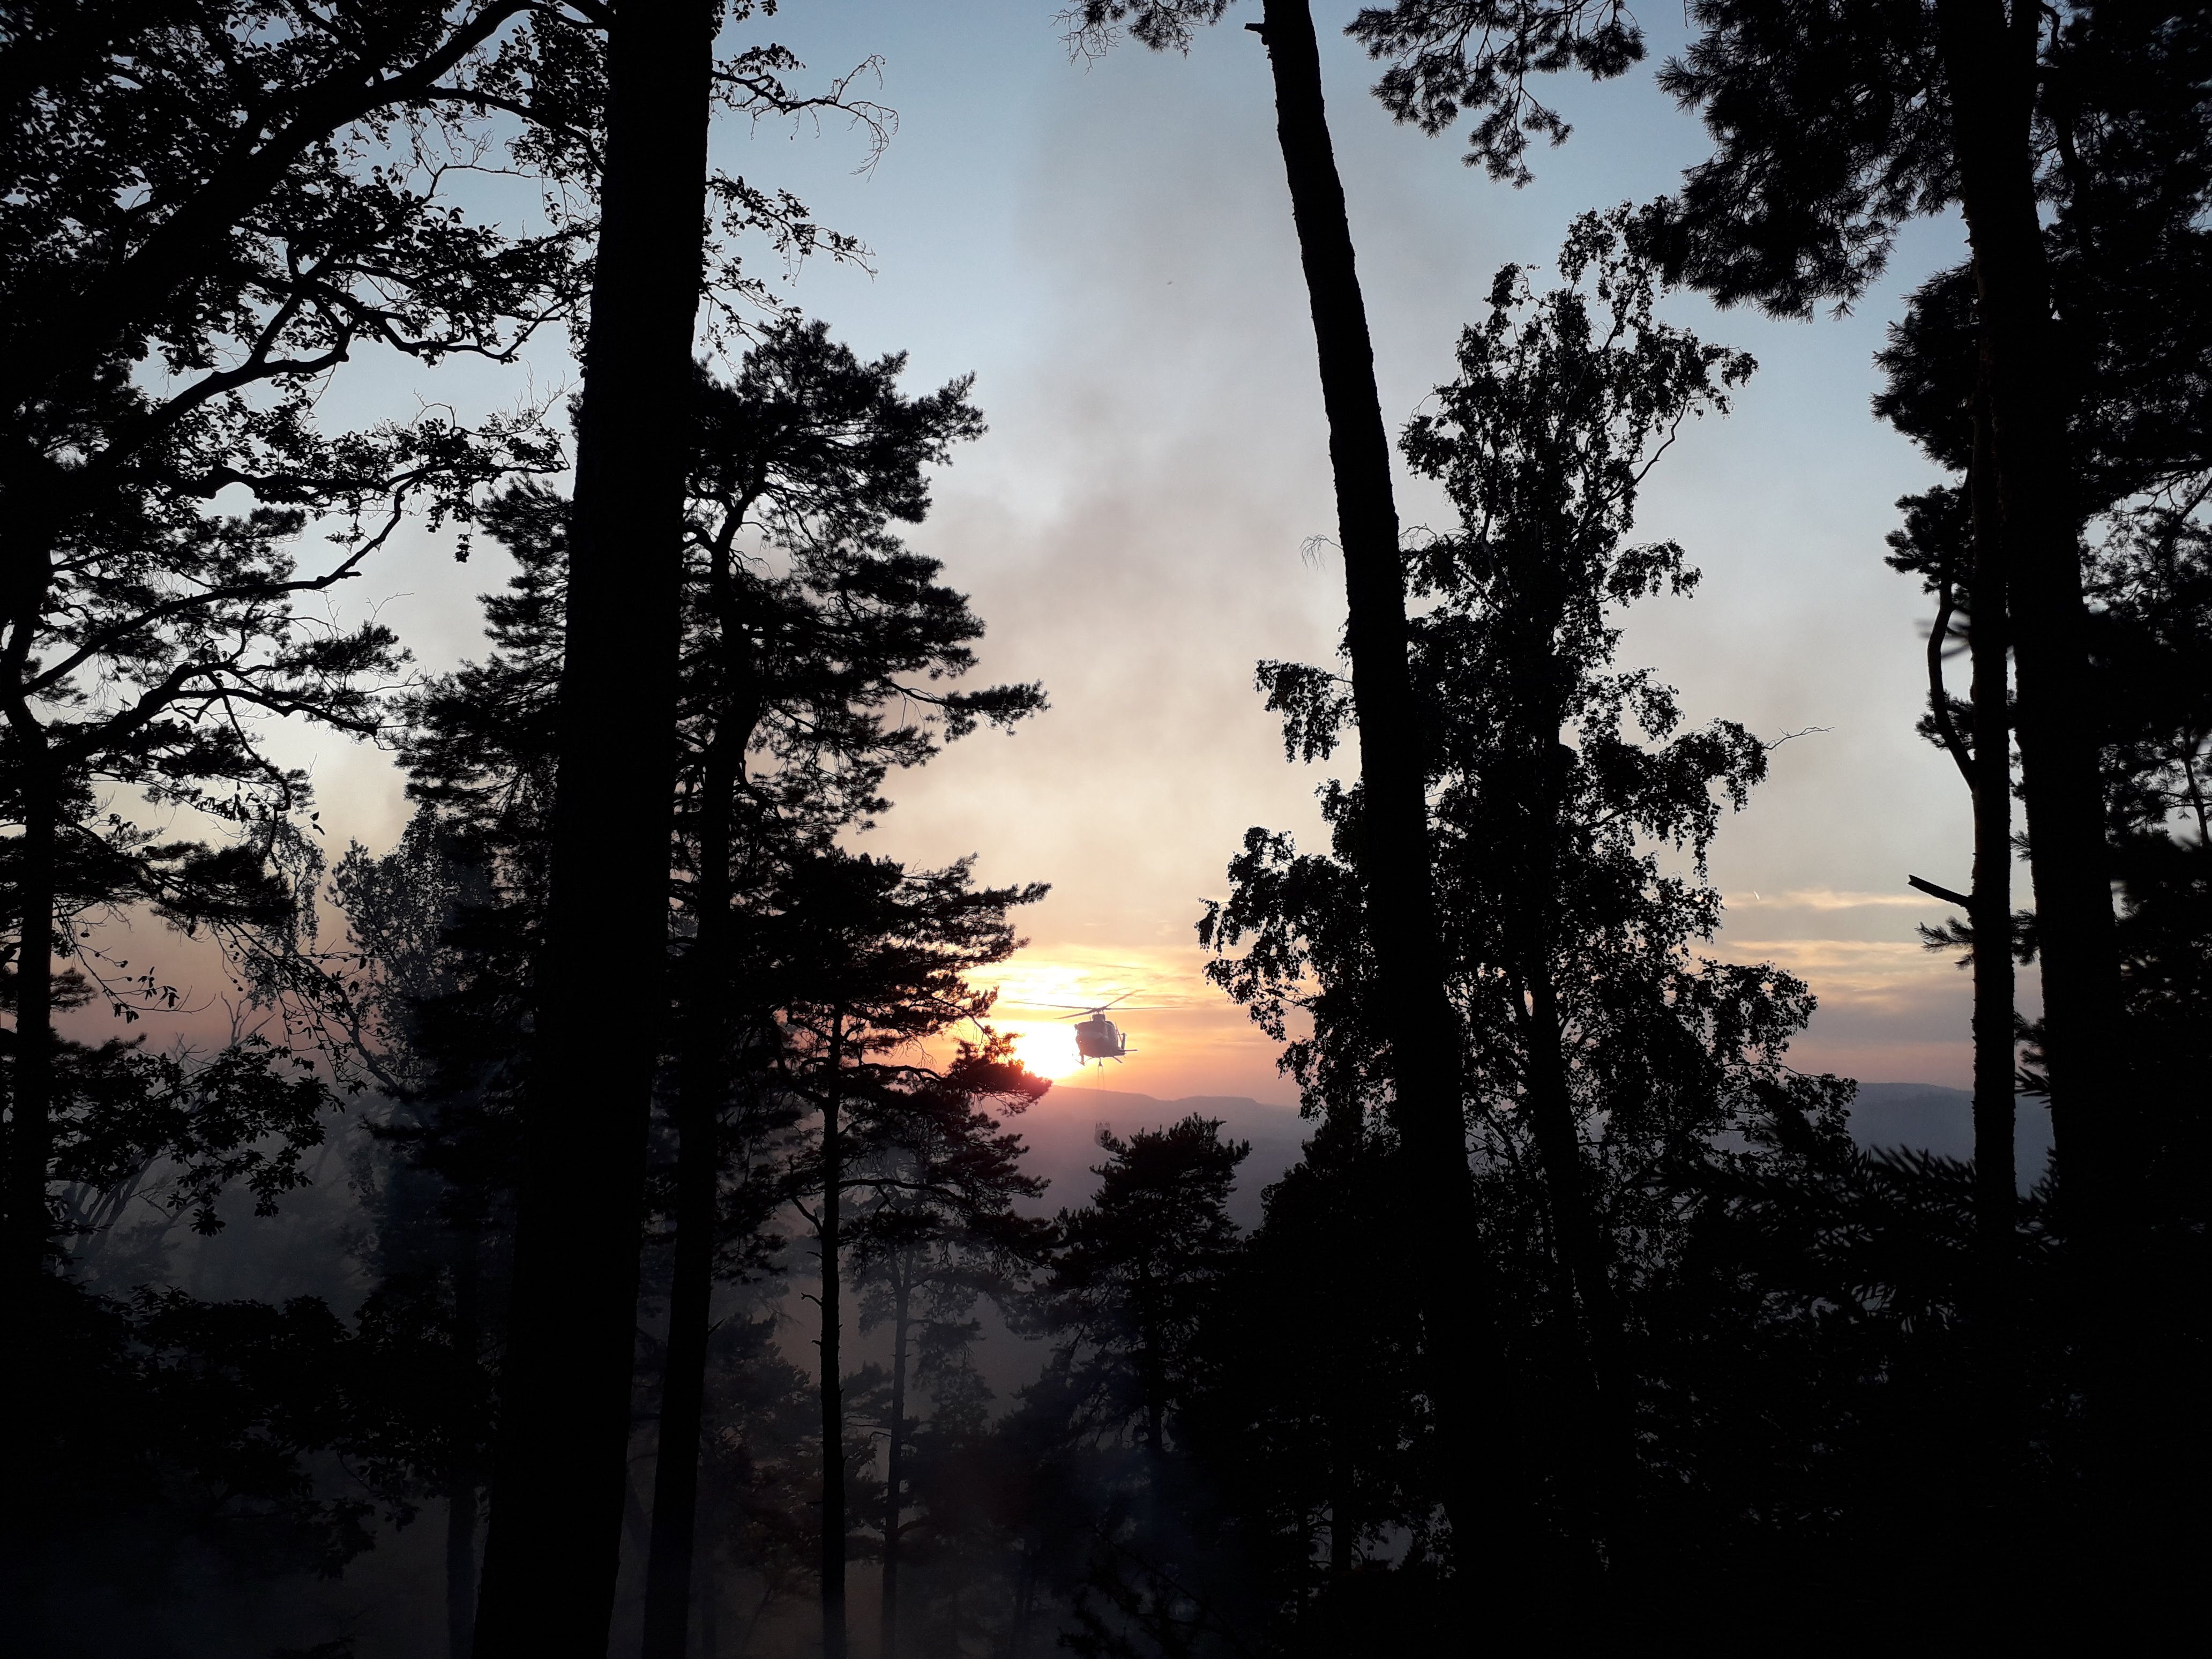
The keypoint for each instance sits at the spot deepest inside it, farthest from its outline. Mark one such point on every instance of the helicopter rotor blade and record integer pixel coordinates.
(1078, 1007)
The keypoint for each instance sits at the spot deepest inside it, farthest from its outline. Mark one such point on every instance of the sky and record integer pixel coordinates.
(1107, 247)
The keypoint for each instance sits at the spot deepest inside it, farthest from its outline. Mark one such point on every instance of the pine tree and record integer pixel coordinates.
(794, 649)
(873, 959)
(940, 1234)
(561, 1464)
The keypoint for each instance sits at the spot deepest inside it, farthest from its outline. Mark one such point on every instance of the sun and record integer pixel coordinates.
(1046, 1047)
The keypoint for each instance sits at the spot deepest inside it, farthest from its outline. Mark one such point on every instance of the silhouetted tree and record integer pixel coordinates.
(219, 190)
(940, 1234)
(1950, 539)
(438, 1188)
(1311, 1419)
(873, 961)
(1140, 1273)
(1888, 113)
(2128, 170)
(1393, 858)
(1562, 406)
(561, 1465)
(806, 626)
(793, 653)
(1610, 1062)
(1136, 1267)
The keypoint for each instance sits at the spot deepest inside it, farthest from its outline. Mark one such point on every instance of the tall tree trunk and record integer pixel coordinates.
(1025, 1597)
(31, 1131)
(833, 1398)
(461, 1479)
(894, 1469)
(1997, 1190)
(698, 1170)
(1606, 1430)
(1603, 1427)
(1990, 65)
(1440, 1247)
(1990, 61)
(460, 1565)
(560, 1472)
(1997, 1182)
(1343, 1507)
(1151, 1367)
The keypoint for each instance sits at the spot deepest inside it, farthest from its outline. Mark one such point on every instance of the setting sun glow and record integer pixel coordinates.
(1146, 995)
(1047, 1049)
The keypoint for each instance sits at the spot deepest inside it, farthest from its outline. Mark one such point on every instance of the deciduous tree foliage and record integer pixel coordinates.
(208, 209)
(1394, 858)
(1609, 1063)
(1834, 123)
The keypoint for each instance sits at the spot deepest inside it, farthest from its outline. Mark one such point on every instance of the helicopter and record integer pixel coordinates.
(1096, 1038)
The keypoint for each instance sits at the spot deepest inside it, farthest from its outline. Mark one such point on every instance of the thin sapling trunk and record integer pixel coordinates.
(895, 1460)
(833, 1402)
(1997, 1192)
(461, 1505)
(31, 1129)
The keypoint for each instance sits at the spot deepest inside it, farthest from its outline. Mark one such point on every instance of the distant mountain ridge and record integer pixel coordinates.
(1929, 1118)
(1061, 1132)
(1063, 1129)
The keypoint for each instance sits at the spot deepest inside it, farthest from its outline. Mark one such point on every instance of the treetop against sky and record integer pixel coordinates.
(1105, 244)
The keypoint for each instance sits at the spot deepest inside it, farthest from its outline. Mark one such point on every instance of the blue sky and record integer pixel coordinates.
(1108, 246)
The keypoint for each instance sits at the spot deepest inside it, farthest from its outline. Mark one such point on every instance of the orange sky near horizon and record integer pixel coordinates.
(1857, 950)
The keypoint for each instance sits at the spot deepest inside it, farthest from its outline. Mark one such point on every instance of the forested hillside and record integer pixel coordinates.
(629, 1207)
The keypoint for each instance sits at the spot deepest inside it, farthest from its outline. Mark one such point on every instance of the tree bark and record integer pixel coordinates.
(1991, 66)
(460, 1567)
(1997, 1190)
(31, 1131)
(461, 1504)
(1606, 1432)
(698, 1171)
(559, 1471)
(1343, 1507)
(1992, 70)
(1439, 1245)
(832, 1400)
(894, 1472)
(1607, 1452)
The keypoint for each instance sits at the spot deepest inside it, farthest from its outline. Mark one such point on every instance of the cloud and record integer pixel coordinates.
(1823, 898)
